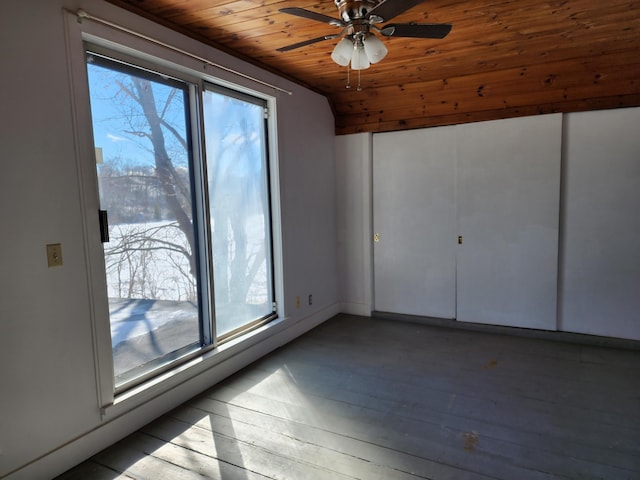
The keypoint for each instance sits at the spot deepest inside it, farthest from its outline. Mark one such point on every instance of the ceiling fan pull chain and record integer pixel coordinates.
(348, 76)
(359, 89)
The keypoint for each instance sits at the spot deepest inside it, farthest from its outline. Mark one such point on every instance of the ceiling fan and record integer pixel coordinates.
(359, 19)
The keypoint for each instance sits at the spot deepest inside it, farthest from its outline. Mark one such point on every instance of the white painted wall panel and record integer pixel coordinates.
(353, 187)
(47, 376)
(414, 215)
(600, 282)
(508, 190)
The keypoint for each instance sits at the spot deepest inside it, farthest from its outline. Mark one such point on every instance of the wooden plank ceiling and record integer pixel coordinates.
(502, 58)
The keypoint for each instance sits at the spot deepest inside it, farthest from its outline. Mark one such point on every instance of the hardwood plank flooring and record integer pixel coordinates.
(376, 398)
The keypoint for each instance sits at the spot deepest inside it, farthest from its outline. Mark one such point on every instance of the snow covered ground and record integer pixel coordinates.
(133, 317)
(152, 294)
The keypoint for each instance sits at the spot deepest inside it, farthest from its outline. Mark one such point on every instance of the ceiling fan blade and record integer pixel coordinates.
(306, 42)
(389, 9)
(318, 17)
(416, 30)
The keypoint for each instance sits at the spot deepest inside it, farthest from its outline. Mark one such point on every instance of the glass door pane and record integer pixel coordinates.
(240, 219)
(141, 133)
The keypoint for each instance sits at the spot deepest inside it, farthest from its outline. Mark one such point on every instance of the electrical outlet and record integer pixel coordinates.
(297, 301)
(310, 299)
(54, 255)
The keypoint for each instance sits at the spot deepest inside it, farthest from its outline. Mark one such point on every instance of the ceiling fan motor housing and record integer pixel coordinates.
(351, 10)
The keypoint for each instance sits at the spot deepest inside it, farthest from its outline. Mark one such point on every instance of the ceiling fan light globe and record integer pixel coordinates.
(374, 48)
(342, 52)
(360, 61)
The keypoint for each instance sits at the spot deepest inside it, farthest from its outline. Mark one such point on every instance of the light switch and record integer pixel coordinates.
(54, 254)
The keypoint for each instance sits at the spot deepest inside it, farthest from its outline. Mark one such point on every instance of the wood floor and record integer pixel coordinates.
(372, 398)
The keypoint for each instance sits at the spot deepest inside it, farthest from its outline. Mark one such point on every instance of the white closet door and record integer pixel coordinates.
(508, 191)
(601, 264)
(414, 218)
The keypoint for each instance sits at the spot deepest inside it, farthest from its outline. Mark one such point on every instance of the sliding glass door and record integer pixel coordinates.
(183, 179)
(240, 218)
(145, 174)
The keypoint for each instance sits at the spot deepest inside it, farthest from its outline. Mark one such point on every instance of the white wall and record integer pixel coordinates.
(353, 184)
(49, 388)
(599, 259)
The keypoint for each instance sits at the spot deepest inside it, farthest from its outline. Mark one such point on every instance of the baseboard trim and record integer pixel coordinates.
(361, 309)
(578, 338)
